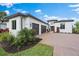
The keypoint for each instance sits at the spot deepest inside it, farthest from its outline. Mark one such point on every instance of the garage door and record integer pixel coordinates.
(43, 29)
(35, 27)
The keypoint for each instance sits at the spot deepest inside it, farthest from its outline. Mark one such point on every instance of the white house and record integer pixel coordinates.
(64, 26)
(19, 21)
(3, 24)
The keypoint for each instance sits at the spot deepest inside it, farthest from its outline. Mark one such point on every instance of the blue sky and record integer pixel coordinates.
(43, 11)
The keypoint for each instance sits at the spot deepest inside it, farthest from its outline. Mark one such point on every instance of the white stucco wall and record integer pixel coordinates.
(68, 27)
(27, 22)
(18, 25)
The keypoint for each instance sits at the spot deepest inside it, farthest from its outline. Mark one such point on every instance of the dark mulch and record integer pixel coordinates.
(13, 49)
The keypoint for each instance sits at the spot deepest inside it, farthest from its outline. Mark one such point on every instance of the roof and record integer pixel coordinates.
(64, 21)
(51, 20)
(24, 15)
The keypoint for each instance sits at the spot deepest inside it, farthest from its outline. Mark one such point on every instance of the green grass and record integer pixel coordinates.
(37, 50)
(2, 52)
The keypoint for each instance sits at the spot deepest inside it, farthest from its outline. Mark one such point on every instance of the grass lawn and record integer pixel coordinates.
(37, 50)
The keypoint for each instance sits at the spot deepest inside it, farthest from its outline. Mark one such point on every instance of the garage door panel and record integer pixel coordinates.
(35, 27)
(43, 29)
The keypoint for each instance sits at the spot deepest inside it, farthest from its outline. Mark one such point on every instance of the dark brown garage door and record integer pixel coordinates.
(43, 29)
(35, 27)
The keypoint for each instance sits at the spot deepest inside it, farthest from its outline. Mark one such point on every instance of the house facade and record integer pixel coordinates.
(63, 26)
(19, 21)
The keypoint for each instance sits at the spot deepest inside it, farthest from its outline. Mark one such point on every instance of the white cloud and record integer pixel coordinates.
(77, 12)
(74, 5)
(8, 5)
(7, 12)
(38, 10)
(24, 11)
(46, 17)
(77, 9)
(20, 10)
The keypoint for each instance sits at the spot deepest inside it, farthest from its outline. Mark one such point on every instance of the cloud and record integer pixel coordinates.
(24, 11)
(74, 5)
(7, 11)
(46, 17)
(20, 10)
(8, 5)
(76, 9)
(39, 11)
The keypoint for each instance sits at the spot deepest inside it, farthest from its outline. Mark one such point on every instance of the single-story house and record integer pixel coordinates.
(18, 21)
(63, 26)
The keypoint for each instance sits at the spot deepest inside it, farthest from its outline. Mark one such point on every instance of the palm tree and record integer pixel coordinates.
(2, 15)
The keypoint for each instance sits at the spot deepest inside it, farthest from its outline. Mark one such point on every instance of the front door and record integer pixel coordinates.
(52, 28)
(58, 30)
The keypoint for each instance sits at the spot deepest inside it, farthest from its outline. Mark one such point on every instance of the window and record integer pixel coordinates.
(14, 24)
(62, 26)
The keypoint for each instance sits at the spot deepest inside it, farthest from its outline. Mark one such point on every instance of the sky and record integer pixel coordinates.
(44, 11)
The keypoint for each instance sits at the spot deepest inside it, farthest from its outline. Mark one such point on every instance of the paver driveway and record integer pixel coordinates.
(64, 44)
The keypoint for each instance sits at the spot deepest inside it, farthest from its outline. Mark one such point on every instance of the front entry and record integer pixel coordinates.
(35, 27)
(57, 30)
(52, 28)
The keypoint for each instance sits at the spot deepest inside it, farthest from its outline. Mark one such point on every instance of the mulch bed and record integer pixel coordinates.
(13, 49)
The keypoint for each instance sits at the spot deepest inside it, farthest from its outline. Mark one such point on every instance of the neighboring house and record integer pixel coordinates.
(19, 21)
(3, 25)
(64, 26)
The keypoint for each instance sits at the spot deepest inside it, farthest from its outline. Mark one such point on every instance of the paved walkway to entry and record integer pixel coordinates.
(64, 44)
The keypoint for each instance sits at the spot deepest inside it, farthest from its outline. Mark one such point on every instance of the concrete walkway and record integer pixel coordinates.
(64, 44)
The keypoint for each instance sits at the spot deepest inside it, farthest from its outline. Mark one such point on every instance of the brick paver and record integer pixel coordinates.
(64, 44)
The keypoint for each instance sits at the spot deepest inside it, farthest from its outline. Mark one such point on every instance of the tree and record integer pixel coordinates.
(2, 15)
(77, 27)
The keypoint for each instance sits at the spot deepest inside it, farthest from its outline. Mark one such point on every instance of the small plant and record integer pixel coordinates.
(6, 39)
(4, 36)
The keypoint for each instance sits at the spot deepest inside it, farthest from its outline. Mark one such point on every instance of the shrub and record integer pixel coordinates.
(24, 36)
(73, 30)
(6, 39)
(76, 29)
(4, 36)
